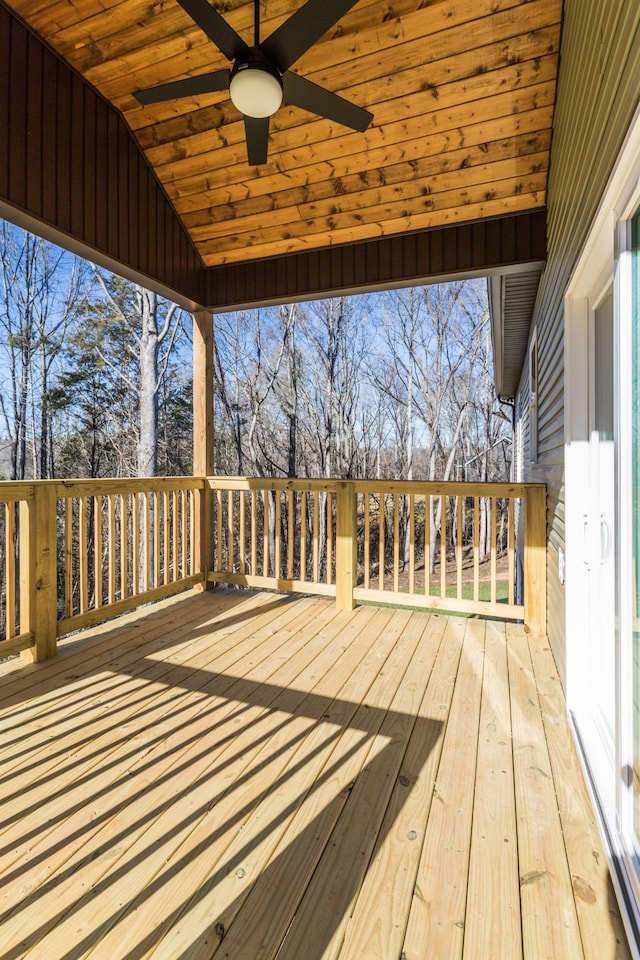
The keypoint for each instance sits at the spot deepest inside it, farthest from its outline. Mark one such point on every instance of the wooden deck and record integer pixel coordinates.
(252, 776)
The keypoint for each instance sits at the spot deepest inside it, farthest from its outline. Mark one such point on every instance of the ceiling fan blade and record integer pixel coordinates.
(257, 133)
(302, 29)
(191, 86)
(216, 28)
(304, 93)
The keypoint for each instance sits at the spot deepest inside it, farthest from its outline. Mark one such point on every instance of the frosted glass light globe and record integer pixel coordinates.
(255, 92)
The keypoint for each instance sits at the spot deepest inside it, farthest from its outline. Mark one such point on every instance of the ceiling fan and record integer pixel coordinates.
(259, 80)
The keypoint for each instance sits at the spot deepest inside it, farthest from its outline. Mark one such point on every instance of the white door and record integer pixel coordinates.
(591, 505)
(600, 522)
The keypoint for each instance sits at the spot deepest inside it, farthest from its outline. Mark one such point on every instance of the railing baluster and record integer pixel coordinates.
(396, 543)
(146, 581)
(428, 514)
(112, 548)
(329, 502)
(278, 549)
(193, 497)
(494, 567)
(291, 507)
(316, 514)
(219, 541)
(183, 531)
(459, 545)
(97, 551)
(230, 529)
(10, 569)
(476, 547)
(135, 546)
(443, 546)
(83, 556)
(68, 557)
(176, 535)
(154, 500)
(26, 548)
(124, 545)
(381, 524)
(367, 540)
(265, 533)
(254, 535)
(242, 533)
(166, 540)
(303, 536)
(412, 543)
(511, 551)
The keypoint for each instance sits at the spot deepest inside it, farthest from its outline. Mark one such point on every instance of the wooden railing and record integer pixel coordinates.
(126, 542)
(274, 533)
(447, 546)
(16, 528)
(451, 546)
(79, 551)
(75, 552)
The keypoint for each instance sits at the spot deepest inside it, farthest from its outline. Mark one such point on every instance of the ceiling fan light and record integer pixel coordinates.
(255, 91)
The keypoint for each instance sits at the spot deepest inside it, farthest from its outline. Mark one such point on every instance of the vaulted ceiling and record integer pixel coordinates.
(462, 95)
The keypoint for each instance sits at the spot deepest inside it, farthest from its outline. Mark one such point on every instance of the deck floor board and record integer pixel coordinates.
(249, 776)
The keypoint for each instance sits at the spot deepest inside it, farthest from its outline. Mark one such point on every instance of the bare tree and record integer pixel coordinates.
(39, 299)
(153, 326)
(429, 348)
(334, 348)
(289, 388)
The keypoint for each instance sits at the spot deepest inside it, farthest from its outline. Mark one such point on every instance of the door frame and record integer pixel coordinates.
(606, 256)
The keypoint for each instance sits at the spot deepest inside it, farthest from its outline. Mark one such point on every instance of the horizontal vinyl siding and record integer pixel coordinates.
(598, 92)
(68, 161)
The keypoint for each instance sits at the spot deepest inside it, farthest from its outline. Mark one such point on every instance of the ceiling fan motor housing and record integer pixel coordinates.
(255, 85)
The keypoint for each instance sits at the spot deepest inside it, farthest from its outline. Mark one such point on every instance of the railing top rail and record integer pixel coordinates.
(433, 487)
(11, 491)
(449, 488)
(268, 483)
(107, 485)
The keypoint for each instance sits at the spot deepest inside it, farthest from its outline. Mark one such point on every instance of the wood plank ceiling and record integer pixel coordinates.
(462, 95)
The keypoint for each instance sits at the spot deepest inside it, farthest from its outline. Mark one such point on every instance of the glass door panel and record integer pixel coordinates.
(635, 518)
(602, 520)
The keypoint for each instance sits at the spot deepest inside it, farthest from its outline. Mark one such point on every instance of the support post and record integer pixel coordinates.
(203, 435)
(535, 560)
(346, 541)
(38, 572)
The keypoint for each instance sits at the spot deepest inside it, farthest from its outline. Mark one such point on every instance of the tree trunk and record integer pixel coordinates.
(404, 515)
(19, 453)
(148, 393)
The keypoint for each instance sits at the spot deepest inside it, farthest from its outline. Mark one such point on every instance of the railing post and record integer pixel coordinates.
(203, 435)
(535, 560)
(202, 537)
(346, 544)
(38, 572)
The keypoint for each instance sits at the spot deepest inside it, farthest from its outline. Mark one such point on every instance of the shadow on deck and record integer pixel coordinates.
(247, 775)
